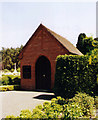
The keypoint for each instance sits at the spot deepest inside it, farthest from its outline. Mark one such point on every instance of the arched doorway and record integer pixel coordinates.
(43, 73)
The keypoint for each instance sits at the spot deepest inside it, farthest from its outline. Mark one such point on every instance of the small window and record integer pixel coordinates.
(27, 72)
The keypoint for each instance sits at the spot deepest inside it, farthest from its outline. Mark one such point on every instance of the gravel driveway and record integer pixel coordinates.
(12, 102)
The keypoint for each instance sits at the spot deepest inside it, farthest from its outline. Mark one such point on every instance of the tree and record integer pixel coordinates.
(96, 42)
(79, 44)
(86, 44)
(10, 56)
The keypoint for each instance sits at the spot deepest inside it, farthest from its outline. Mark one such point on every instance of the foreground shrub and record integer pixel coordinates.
(9, 117)
(74, 110)
(75, 73)
(81, 105)
(26, 114)
(85, 102)
(54, 109)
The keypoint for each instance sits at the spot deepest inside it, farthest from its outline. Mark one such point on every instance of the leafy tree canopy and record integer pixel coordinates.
(10, 57)
(86, 44)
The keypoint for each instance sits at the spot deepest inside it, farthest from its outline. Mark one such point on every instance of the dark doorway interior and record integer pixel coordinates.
(43, 73)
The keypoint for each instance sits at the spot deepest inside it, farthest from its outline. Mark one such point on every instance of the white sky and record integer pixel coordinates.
(19, 20)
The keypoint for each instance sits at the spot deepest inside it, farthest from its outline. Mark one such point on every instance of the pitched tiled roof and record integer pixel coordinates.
(70, 47)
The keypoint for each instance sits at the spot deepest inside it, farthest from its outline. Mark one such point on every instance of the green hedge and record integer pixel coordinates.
(75, 73)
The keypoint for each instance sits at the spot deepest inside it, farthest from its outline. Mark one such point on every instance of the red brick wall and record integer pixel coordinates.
(42, 43)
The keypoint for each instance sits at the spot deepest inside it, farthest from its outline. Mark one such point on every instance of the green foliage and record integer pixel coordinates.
(16, 80)
(10, 57)
(96, 102)
(7, 88)
(10, 116)
(86, 44)
(75, 73)
(10, 88)
(94, 55)
(95, 43)
(79, 44)
(6, 70)
(3, 88)
(59, 100)
(10, 80)
(85, 102)
(74, 110)
(17, 87)
(26, 114)
(4, 80)
(18, 70)
(38, 113)
(12, 70)
(51, 110)
(58, 108)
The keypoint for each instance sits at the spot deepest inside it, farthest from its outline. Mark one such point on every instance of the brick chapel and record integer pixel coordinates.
(38, 58)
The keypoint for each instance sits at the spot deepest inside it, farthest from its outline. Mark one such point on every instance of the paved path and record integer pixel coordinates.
(12, 102)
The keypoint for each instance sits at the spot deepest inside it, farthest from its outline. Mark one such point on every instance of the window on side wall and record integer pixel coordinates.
(26, 72)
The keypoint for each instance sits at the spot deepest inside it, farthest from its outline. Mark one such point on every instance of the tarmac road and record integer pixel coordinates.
(12, 102)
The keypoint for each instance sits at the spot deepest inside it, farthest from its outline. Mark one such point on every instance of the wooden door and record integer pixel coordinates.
(43, 73)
